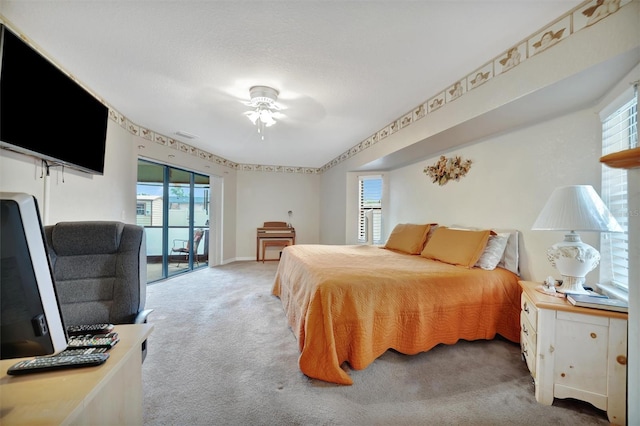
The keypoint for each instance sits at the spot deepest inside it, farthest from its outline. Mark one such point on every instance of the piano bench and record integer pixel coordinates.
(273, 243)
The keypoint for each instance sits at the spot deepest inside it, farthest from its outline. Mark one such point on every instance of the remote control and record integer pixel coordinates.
(93, 341)
(48, 363)
(81, 351)
(84, 329)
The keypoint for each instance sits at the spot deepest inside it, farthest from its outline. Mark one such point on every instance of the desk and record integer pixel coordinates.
(109, 394)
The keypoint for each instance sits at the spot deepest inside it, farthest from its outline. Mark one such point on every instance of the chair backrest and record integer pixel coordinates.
(197, 237)
(99, 269)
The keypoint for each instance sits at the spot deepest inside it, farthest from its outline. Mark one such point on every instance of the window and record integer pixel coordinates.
(173, 206)
(370, 209)
(619, 132)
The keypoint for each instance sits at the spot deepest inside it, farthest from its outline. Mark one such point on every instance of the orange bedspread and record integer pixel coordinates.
(352, 303)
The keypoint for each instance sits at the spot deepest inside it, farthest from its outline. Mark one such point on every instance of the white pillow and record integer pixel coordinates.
(493, 252)
(510, 260)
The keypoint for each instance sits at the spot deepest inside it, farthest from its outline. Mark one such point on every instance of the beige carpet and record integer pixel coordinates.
(222, 354)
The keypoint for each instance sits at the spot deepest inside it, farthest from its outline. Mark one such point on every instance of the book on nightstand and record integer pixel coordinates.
(596, 302)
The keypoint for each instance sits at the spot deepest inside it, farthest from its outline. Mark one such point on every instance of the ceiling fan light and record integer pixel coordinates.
(265, 115)
(269, 121)
(263, 99)
(253, 116)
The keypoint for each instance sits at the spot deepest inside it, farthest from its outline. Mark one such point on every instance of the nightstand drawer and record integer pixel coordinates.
(529, 353)
(530, 311)
(527, 329)
(583, 318)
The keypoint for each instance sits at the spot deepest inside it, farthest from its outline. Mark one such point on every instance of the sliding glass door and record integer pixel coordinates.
(174, 207)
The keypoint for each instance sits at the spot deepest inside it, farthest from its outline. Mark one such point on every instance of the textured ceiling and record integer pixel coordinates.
(344, 69)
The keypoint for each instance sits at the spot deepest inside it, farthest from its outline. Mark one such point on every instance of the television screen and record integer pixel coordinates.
(44, 113)
(31, 322)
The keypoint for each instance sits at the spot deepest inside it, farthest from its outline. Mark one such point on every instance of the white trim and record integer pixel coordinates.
(617, 103)
(613, 291)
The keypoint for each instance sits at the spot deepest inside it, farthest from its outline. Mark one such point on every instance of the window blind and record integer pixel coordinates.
(619, 133)
(370, 200)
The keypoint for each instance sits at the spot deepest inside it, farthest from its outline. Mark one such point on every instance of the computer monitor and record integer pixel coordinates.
(31, 321)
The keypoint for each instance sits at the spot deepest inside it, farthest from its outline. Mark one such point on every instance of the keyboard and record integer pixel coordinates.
(49, 363)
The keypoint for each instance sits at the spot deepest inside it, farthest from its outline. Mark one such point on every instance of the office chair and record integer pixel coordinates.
(100, 272)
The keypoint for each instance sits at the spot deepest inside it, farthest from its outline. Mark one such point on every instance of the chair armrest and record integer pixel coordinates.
(141, 318)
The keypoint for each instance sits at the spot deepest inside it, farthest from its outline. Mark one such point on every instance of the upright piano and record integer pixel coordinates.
(274, 231)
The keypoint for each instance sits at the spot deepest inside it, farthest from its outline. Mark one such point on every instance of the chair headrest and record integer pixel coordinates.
(87, 237)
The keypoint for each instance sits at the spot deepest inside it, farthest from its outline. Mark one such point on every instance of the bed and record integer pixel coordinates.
(351, 303)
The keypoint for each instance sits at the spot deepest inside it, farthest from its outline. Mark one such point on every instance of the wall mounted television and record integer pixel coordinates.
(46, 114)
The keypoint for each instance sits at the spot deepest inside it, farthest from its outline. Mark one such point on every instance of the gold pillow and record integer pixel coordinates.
(456, 246)
(408, 238)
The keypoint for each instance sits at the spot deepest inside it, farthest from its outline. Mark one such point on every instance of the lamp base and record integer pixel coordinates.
(572, 285)
(574, 260)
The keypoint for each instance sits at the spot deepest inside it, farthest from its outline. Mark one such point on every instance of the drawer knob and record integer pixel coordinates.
(525, 307)
(593, 335)
(524, 329)
(622, 360)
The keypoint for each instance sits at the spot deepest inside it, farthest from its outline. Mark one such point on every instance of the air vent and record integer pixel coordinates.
(186, 135)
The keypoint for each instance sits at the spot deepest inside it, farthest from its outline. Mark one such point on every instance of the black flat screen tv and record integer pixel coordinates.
(46, 114)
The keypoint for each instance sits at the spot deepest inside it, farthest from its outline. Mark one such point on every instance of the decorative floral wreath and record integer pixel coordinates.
(448, 168)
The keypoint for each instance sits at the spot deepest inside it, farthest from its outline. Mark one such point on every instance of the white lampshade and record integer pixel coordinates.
(575, 208)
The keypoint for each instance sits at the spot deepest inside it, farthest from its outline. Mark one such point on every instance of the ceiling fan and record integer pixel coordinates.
(264, 107)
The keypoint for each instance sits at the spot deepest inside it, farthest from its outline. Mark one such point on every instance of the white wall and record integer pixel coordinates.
(72, 195)
(247, 199)
(511, 177)
(514, 171)
(634, 296)
(333, 208)
(266, 197)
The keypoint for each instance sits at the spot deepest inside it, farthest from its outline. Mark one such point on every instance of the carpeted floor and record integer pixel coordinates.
(222, 354)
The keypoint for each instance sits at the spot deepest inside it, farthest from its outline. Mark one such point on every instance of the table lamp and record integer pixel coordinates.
(574, 208)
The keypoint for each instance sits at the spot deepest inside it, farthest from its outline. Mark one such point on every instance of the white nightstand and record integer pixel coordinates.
(574, 352)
